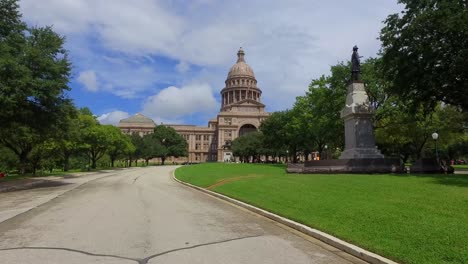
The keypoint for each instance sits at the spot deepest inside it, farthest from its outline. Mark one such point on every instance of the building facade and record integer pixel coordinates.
(241, 112)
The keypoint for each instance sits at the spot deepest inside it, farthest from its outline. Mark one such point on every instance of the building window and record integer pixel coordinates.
(228, 121)
(197, 146)
(206, 137)
(198, 137)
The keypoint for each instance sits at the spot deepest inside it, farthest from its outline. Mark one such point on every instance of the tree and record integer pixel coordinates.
(137, 141)
(95, 138)
(425, 50)
(8, 159)
(168, 143)
(275, 132)
(406, 134)
(248, 146)
(34, 75)
(120, 145)
(148, 147)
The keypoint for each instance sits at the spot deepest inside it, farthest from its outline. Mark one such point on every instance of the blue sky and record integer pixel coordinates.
(168, 59)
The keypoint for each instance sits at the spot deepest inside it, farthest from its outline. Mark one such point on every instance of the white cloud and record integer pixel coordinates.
(287, 43)
(89, 80)
(113, 117)
(173, 102)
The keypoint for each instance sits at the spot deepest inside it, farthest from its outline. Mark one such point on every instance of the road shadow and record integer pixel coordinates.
(27, 184)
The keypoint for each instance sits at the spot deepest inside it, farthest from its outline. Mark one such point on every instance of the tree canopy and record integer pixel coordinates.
(425, 52)
(163, 143)
(34, 76)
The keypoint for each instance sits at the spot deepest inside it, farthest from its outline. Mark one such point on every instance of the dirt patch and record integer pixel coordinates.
(222, 182)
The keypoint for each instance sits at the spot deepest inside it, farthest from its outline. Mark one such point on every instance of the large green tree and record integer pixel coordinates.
(275, 133)
(120, 145)
(94, 138)
(168, 143)
(34, 76)
(249, 146)
(137, 141)
(425, 52)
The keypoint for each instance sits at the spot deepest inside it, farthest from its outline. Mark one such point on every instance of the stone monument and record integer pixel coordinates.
(357, 116)
(360, 154)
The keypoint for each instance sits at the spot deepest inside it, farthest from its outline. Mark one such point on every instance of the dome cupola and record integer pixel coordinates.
(241, 69)
(241, 84)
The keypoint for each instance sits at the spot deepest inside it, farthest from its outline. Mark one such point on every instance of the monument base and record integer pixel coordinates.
(361, 153)
(370, 165)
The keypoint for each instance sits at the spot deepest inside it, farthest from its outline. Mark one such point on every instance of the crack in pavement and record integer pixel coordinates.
(134, 180)
(71, 250)
(138, 260)
(145, 260)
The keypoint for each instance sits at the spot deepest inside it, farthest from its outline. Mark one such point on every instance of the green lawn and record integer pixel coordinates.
(410, 219)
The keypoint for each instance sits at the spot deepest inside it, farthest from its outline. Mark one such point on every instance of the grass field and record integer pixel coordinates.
(410, 219)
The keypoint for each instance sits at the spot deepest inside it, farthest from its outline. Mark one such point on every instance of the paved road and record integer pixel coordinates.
(142, 216)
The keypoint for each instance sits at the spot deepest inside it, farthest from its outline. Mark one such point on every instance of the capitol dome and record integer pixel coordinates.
(240, 69)
(241, 85)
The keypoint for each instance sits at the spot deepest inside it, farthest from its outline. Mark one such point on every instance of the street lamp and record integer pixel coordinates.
(326, 151)
(435, 136)
(287, 155)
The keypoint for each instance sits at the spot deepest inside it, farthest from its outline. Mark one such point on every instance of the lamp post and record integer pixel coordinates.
(326, 151)
(287, 156)
(435, 136)
(162, 143)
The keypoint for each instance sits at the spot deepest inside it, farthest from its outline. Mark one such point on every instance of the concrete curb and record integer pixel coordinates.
(329, 239)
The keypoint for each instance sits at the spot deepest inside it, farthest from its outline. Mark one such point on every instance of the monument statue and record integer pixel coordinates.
(360, 154)
(356, 65)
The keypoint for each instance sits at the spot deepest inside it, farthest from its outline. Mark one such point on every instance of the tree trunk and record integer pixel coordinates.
(66, 162)
(112, 162)
(163, 159)
(93, 162)
(23, 162)
(294, 155)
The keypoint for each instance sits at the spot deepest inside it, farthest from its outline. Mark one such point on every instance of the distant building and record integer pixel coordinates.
(138, 123)
(241, 112)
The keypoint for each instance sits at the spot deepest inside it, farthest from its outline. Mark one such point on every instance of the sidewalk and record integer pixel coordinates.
(19, 196)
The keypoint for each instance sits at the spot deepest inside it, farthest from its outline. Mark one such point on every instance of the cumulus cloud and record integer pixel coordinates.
(113, 117)
(89, 80)
(287, 43)
(174, 102)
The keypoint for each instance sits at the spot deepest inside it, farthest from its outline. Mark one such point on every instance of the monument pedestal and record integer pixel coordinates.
(360, 154)
(357, 116)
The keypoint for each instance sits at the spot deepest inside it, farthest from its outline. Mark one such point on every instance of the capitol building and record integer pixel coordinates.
(241, 112)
